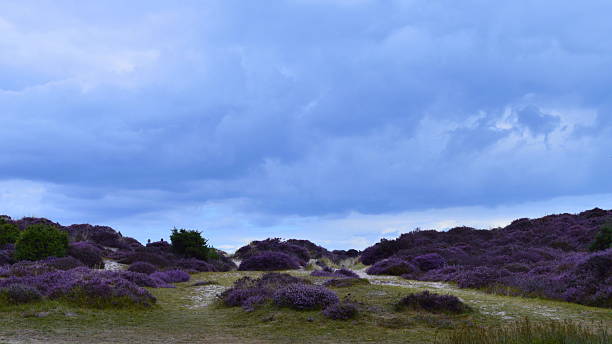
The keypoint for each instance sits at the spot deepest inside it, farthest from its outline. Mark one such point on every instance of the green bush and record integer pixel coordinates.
(603, 239)
(41, 241)
(190, 243)
(9, 233)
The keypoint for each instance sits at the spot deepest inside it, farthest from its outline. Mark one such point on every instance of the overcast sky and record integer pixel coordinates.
(337, 121)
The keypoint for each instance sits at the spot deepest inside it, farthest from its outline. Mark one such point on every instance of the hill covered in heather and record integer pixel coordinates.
(550, 257)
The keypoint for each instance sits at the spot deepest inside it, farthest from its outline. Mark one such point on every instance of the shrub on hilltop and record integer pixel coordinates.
(603, 239)
(87, 253)
(9, 232)
(269, 261)
(191, 244)
(41, 241)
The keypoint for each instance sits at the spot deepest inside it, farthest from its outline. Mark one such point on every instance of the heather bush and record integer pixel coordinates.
(299, 253)
(140, 279)
(432, 302)
(479, 277)
(90, 287)
(391, 266)
(429, 261)
(191, 244)
(249, 292)
(171, 276)
(328, 272)
(9, 233)
(195, 264)
(148, 257)
(28, 268)
(250, 303)
(87, 253)
(41, 241)
(304, 297)
(63, 263)
(269, 261)
(19, 293)
(101, 292)
(142, 267)
(603, 240)
(341, 311)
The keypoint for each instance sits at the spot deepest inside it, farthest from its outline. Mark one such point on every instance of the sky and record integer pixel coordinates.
(336, 121)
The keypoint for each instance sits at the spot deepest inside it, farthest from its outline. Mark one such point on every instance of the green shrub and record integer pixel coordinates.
(41, 241)
(190, 243)
(9, 232)
(603, 239)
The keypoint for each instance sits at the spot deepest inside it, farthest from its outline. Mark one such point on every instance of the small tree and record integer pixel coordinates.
(603, 239)
(190, 243)
(41, 241)
(9, 232)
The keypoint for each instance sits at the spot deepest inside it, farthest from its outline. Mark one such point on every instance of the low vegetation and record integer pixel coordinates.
(319, 296)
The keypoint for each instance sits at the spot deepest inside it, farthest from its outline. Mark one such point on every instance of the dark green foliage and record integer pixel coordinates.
(190, 243)
(9, 232)
(41, 241)
(603, 239)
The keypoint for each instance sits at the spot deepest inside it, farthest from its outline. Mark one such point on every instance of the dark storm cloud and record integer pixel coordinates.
(306, 107)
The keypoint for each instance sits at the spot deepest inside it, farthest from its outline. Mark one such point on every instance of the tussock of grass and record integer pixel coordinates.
(529, 332)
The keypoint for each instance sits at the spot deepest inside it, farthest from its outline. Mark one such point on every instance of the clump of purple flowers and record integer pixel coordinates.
(171, 276)
(392, 266)
(269, 261)
(304, 297)
(432, 302)
(341, 311)
(328, 272)
(87, 253)
(546, 257)
(142, 267)
(249, 293)
(20, 293)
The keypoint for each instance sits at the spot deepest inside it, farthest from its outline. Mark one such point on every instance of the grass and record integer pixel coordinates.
(529, 332)
(177, 318)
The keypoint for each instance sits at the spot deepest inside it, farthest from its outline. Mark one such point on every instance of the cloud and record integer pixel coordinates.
(309, 109)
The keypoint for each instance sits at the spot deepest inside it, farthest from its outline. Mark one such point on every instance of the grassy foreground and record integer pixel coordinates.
(189, 314)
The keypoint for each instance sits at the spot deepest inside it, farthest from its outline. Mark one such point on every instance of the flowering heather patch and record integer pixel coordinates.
(250, 303)
(299, 254)
(341, 311)
(269, 261)
(547, 257)
(432, 302)
(28, 268)
(429, 261)
(195, 264)
(63, 263)
(391, 266)
(156, 259)
(100, 291)
(19, 293)
(304, 296)
(171, 276)
(249, 292)
(344, 272)
(142, 267)
(87, 253)
(479, 277)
